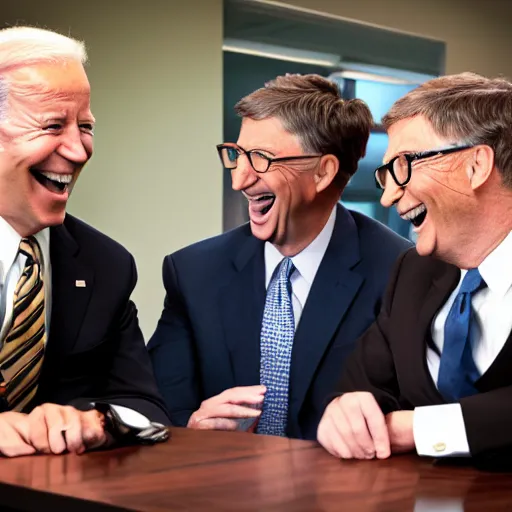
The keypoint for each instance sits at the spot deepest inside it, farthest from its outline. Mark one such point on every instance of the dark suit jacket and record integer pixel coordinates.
(95, 349)
(208, 337)
(390, 358)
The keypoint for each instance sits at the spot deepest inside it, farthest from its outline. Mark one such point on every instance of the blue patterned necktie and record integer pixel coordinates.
(457, 371)
(276, 342)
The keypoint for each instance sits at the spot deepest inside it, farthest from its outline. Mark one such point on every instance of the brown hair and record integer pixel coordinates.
(465, 108)
(312, 108)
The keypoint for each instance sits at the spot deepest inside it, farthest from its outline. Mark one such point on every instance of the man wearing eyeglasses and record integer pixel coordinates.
(433, 373)
(257, 321)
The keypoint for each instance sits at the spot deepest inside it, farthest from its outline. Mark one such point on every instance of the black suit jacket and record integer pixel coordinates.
(95, 349)
(390, 358)
(208, 337)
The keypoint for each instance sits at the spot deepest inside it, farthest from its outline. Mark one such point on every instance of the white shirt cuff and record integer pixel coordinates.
(439, 431)
(131, 417)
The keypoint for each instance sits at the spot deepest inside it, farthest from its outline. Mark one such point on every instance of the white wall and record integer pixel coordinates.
(154, 183)
(477, 32)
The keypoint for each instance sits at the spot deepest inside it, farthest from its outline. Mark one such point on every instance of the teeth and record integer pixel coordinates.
(261, 196)
(59, 178)
(412, 214)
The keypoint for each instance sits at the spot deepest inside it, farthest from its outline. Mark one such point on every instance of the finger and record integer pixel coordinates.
(56, 424)
(330, 437)
(342, 448)
(38, 430)
(72, 430)
(93, 430)
(12, 443)
(20, 422)
(16, 447)
(344, 420)
(376, 423)
(248, 394)
(228, 411)
(215, 424)
(346, 445)
(359, 434)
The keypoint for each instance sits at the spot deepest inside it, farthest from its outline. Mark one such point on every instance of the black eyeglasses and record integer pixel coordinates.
(400, 167)
(260, 163)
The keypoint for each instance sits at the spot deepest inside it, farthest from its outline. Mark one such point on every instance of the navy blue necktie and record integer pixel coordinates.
(276, 343)
(457, 371)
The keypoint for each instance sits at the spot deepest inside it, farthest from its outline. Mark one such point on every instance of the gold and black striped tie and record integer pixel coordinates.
(21, 356)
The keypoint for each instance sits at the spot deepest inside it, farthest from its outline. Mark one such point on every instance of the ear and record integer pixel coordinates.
(481, 166)
(326, 172)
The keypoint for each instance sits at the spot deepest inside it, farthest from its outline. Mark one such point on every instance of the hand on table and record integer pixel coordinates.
(56, 429)
(225, 410)
(354, 427)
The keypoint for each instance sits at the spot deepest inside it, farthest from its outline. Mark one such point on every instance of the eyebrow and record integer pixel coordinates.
(89, 118)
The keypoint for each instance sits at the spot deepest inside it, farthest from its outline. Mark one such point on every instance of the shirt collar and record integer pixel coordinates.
(496, 269)
(10, 243)
(308, 260)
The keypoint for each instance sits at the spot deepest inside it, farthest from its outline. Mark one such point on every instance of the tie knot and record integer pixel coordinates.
(30, 248)
(286, 268)
(472, 281)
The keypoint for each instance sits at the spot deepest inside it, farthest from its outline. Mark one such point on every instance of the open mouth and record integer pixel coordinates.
(54, 182)
(261, 205)
(416, 216)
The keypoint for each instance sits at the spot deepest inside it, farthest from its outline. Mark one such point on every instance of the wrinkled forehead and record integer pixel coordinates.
(269, 134)
(48, 80)
(412, 135)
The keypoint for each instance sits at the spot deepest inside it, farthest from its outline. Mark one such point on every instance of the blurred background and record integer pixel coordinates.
(165, 75)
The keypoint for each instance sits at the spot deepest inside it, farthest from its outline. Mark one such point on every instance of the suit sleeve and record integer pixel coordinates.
(130, 381)
(488, 422)
(371, 367)
(172, 352)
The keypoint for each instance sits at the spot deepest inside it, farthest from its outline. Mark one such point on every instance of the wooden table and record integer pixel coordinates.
(239, 471)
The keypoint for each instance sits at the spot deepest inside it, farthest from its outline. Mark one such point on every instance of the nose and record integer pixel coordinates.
(73, 148)
(244, 175)
(392, 193)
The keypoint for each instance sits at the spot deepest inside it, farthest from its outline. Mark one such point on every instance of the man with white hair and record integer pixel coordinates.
(73, 365)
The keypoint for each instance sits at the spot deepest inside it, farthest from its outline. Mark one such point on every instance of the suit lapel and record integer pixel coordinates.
(242, 302)
(441, 287)
(334, 288)
(69, 301)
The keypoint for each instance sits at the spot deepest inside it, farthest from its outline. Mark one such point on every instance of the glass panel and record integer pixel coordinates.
(367, 208)
(380, 95)
(363, 179)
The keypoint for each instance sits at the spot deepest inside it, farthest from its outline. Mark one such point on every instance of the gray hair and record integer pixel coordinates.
(25, 46)
(465, 108)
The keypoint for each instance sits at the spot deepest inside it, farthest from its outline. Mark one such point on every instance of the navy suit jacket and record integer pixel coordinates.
(95, 349)
(208, 337)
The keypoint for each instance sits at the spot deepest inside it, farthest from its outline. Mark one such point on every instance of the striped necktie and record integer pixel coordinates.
(21, 355)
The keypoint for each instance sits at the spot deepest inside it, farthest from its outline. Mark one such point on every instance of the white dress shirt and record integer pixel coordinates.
(439, 429)
(306, 266)
(12, 264)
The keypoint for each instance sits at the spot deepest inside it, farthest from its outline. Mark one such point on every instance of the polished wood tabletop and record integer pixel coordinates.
(236, 471)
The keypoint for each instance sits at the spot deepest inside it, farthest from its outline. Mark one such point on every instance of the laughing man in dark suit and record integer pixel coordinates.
(69, 337)
(433, 373)
(262, 316)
